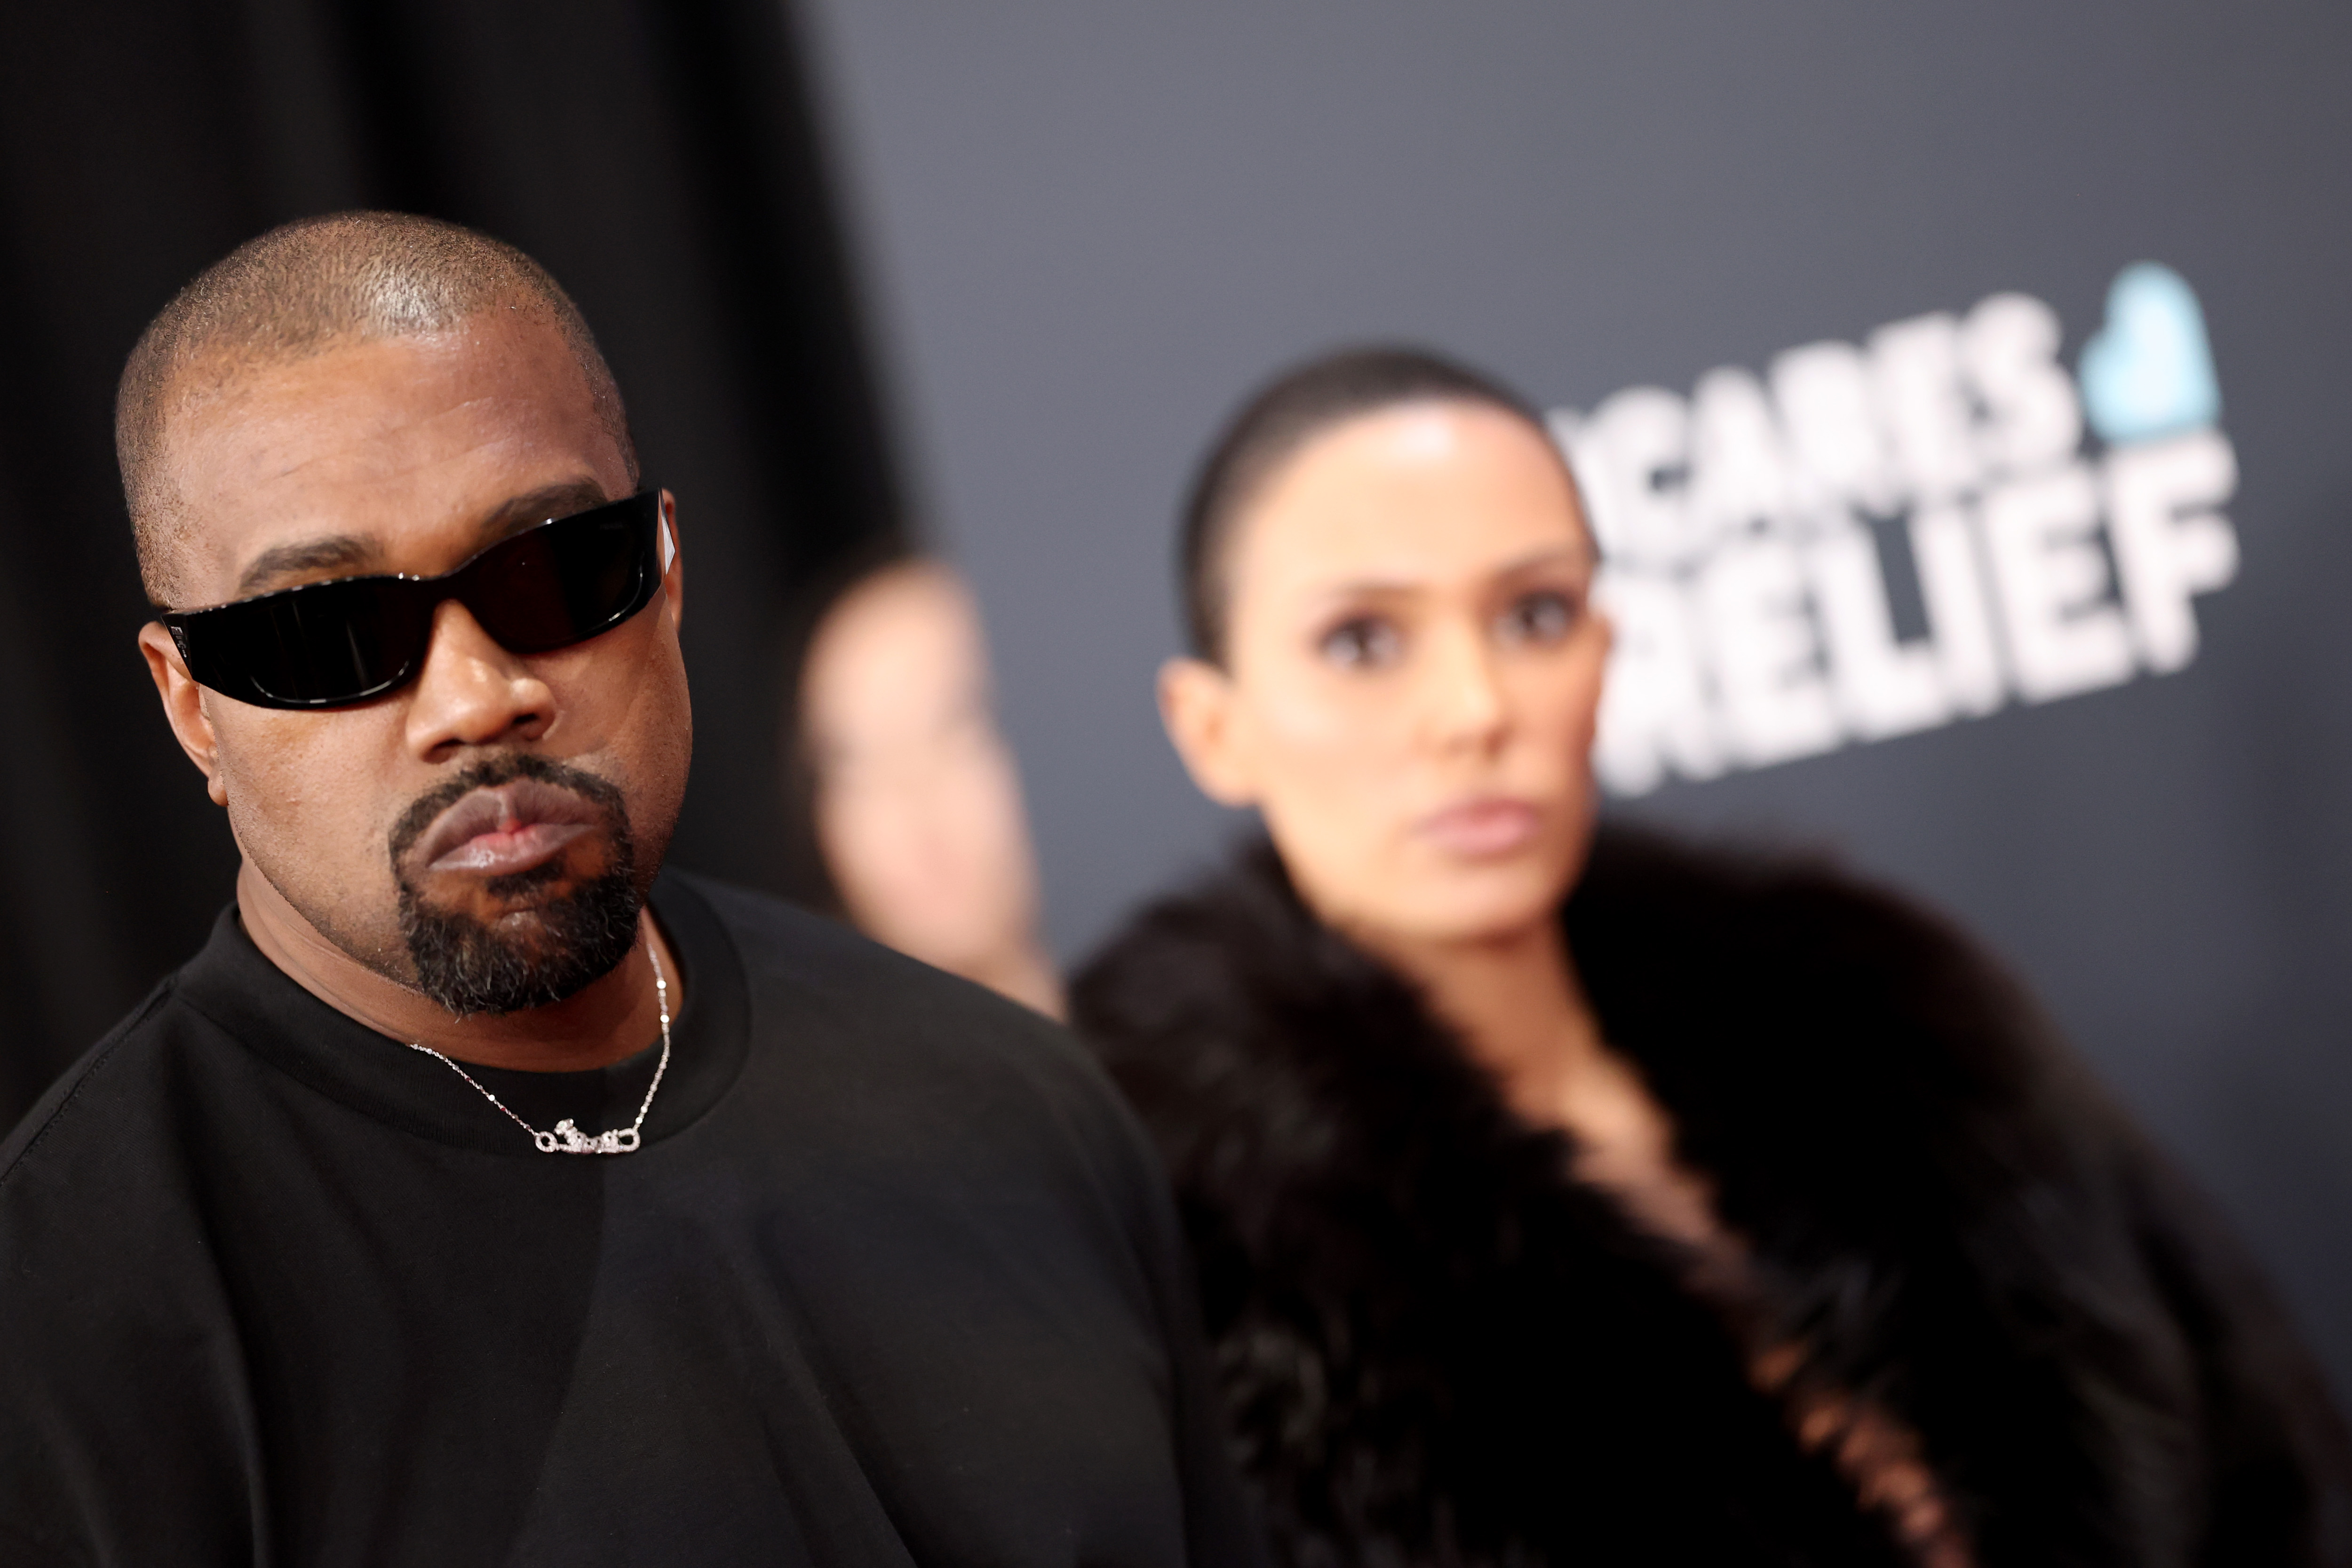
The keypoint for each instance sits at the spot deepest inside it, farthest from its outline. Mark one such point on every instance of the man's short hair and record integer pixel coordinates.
(299, 290)
(1280, 418)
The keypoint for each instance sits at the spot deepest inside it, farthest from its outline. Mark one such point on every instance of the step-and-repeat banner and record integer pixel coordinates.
(1876, 538)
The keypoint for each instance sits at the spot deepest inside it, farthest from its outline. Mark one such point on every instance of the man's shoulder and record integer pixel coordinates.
(775, 934)
(115, 1079)
(870, 1022)
(101, 1204)
(887, 995)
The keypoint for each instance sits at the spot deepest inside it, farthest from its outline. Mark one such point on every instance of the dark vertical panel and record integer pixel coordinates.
(655, 154)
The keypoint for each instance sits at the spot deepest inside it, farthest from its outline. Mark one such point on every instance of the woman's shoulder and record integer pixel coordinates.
(1211, 953)
(1800, 1025)
(1658, 924)
(1783, 981)
(1260, 1047)
(1683, 901)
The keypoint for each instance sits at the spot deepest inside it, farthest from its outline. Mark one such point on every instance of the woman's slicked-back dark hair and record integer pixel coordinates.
(1289, 412)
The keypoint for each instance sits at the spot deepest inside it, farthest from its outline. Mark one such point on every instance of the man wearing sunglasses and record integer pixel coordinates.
(482, 1193)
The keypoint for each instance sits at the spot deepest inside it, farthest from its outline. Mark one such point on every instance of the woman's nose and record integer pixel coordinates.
(1463, 697)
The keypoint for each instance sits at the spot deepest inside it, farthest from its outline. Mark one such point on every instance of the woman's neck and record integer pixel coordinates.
(1517, 1002)
(1519, 1006)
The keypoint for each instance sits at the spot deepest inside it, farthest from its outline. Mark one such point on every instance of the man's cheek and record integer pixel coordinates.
(299, 802)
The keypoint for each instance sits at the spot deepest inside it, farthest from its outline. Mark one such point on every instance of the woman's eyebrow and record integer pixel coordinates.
(1549, 555)
(1392, 587)
(1367, 587)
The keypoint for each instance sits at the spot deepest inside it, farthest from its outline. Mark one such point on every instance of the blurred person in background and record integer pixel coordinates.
(484, 1192)
(1576, 1196)
(912, 795)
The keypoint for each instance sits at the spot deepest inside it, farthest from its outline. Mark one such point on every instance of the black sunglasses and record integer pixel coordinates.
(324, 644)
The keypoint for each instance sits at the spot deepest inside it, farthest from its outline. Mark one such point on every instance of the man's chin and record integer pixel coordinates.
(493, 950)
(529, 927)
(489, 929)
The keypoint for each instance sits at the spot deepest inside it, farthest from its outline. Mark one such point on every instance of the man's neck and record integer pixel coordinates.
(613, 1018)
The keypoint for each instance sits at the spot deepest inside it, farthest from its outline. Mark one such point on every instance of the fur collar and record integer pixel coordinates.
(1440, 1349)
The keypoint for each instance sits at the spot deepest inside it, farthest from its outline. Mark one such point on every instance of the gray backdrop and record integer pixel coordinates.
(1088, 227)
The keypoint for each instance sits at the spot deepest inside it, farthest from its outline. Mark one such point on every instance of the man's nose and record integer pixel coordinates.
(472, 692)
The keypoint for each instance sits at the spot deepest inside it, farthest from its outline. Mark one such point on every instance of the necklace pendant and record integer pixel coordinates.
(568, 1139)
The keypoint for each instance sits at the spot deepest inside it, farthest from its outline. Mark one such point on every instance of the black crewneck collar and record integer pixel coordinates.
(231, 983)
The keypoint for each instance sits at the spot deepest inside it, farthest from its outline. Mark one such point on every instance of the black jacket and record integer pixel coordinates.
(1437, 1348)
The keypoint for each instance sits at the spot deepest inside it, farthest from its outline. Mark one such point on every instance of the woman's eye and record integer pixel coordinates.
(1545, 616)
(1361, 642)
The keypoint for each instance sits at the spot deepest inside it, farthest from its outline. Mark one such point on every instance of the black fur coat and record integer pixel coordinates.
(1438, 1349)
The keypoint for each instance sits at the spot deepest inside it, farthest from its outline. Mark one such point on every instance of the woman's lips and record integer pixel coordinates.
(505, 830)
(1481, 828)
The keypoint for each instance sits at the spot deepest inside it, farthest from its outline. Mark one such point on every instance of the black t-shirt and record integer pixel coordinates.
(893, 1280)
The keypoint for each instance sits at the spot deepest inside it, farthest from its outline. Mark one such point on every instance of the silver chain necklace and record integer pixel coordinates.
(567, 1138)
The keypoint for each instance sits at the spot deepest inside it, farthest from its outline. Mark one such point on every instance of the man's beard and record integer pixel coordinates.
(469, 967)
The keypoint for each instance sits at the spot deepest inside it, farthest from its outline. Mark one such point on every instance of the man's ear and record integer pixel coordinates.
(1196, 705)
(184, 706)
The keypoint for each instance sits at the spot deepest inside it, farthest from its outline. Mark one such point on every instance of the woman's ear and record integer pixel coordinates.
(1196, 705)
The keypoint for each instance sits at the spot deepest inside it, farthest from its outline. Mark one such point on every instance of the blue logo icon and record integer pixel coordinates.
(2149, 372)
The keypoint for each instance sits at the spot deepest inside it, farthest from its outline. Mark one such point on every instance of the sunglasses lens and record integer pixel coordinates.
(566, 581)
(335, 643)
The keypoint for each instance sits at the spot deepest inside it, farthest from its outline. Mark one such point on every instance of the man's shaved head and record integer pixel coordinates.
(297, 291)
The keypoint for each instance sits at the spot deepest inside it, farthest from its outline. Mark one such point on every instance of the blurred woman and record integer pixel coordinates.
(1575, 1198)
(912, 795)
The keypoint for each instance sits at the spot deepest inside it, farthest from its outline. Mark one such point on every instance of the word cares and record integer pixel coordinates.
(1876, 540)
